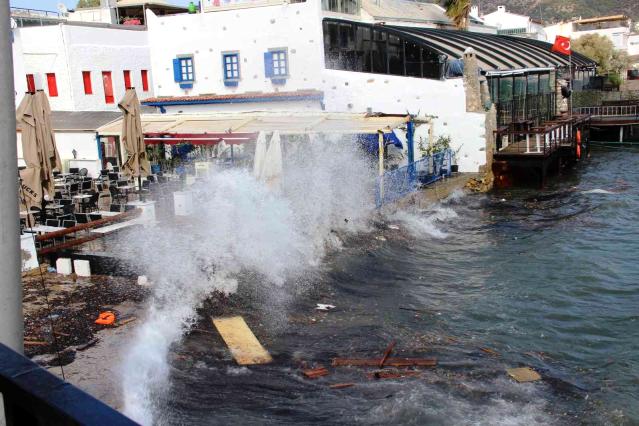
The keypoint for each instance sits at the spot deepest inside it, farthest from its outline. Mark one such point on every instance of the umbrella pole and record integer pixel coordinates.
(11, 320)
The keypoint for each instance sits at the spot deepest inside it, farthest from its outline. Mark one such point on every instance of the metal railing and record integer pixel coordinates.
(609, 111)
(33, 13)
(395, 184)
(540, 140)
(33, 396)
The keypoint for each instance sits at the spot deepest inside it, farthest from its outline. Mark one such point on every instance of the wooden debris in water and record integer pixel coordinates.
(314, 373)
(393, 374)
(87, 345)
(489, 351)
(341, 385)
(523, 374)
(243, 344)
(125, 321)
(387, 352)
(391, 362)
(35, 343)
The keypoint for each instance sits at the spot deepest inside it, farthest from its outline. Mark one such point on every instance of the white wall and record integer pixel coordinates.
(298, 28)
(105, 49)
(83, 142)
(633, 44)
(19, 76)
(67, 50)
(99, 14)
(250, 31)
(618, 35)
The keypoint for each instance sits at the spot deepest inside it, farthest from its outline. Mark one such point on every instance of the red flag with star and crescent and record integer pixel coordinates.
(562, 45)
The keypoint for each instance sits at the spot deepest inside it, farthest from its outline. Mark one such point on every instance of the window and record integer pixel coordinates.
(183, 71)
(108, 87)
(145, 80)
(341, 6)
(231, 64)
(127, 79)
(86, 78)
(280, 63)
(52, 84)
(276, 65)
(30, 83)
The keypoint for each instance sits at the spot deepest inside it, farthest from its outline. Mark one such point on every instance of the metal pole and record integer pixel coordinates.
(11, 322)
(380, 146)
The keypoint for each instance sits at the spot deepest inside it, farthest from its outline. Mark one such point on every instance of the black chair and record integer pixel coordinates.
(122, 183)
(74, 170)
(68, 223)
(52, 222)
(116, 169)
(104, 173)
(114, 176)
(91, 204)
(74, 188)
(86, 185)
(128, 208)
(57, 195)
(116, 208)
(150, 178)
(95, 216)
(81, 218)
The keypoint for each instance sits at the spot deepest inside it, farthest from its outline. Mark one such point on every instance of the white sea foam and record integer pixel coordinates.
(240, 226)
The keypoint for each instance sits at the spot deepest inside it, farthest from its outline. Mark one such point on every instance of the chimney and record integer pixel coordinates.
(474, 11)
(501, 9)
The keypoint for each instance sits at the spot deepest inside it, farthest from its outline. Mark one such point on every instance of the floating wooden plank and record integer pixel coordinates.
(315, 372)
(391, 362)
(342, 385)
(393, 374)
(244, 346)
(524, 374)
(387, 353)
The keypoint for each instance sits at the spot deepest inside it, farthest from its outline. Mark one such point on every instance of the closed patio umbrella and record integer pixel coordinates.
(260, 153)
(45, 134)
(136, 165)
(272, 167)
(38, 150)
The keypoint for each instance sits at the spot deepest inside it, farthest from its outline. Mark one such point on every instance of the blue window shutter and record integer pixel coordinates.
(268, 64)
(177, 70)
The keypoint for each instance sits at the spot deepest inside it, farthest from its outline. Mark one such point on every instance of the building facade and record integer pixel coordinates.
(83, 67)
(508, 23)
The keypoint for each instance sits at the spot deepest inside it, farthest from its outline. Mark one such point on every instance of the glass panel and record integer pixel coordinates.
(505, 89)
(520, 85)
(413, 60)
(395, 55)
(533, 84)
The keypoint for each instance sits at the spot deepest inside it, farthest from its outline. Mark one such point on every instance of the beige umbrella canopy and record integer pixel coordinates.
(38, 148)
(132, 136)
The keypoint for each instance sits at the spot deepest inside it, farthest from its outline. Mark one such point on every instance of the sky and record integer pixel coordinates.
(53, 4)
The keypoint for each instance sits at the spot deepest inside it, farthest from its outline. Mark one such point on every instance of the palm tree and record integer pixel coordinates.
(458, 11)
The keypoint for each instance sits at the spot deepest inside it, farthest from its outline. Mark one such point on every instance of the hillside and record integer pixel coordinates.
(555, 10)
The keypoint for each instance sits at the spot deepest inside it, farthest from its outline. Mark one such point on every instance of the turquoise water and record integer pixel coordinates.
(547, 279)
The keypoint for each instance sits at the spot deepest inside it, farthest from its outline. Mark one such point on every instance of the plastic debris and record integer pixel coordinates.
(380, 238)
(489, 351)
(394, 227)
(105, 318)
(324, 307)
(523, 374)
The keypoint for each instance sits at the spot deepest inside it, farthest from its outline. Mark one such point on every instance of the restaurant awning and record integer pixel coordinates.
(209, 129)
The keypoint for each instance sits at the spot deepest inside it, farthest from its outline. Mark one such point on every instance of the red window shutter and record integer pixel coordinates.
(145, 80)
(108, 87)
(86, 78)
(53, 85)
(30, 83)
(127, 79)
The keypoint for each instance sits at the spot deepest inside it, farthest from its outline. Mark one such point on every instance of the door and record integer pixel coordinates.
(108, 87)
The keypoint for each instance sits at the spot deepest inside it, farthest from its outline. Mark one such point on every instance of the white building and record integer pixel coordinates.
(83, 67)
(508, 23)
(617, 28)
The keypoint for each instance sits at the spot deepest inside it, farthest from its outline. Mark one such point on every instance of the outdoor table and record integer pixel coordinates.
(43, 229)
(81, 196)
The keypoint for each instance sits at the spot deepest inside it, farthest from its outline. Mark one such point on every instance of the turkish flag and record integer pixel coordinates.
(562, 45)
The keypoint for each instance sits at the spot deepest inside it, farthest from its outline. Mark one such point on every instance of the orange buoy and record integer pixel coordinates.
(105, 318)
(578, 150)
(578, 137)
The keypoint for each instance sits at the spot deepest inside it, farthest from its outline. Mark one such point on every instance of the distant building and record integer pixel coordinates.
(617, 28)
(129, 12)
(508, 23)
